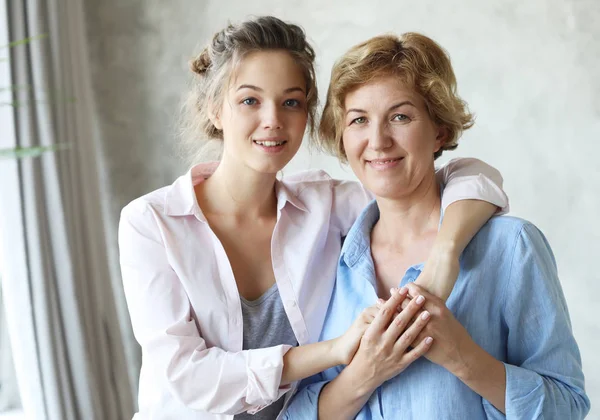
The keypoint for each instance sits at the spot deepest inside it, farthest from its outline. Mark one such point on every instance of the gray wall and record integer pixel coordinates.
(526, 68)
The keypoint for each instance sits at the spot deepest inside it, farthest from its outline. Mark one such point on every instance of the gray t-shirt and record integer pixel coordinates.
(266, 325)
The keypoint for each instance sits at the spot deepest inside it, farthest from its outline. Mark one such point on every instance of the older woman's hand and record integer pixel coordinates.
(383, 349)
(453, 345)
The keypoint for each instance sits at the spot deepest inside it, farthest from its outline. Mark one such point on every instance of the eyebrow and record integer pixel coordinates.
(256, 88)
(398, 105)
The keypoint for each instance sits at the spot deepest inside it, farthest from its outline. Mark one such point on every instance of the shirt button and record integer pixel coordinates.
(291, 303)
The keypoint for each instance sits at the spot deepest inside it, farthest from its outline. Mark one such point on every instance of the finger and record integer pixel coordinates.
(421, 336)
(414, 289)
(388, 309)
(420, 350)
(412, 332)
(369, 314)
(402, 320)
(405, 303)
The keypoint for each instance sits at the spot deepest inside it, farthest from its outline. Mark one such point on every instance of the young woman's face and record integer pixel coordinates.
(389, 137)
(264, 113)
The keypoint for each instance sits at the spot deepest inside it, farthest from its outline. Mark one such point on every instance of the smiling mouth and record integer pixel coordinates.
(270, 143)
(384, 161)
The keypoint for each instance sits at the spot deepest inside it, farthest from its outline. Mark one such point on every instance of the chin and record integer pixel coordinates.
(269, 166)
(387, 190)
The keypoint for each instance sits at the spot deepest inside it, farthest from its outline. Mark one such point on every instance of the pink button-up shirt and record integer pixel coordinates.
(183, 299)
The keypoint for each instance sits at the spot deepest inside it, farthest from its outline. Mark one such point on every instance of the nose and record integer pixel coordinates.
(379, 137)
(271, 117)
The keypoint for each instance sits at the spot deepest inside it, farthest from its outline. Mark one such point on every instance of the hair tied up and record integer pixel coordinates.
(200, 64)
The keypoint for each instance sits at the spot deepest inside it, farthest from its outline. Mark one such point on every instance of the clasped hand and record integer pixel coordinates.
(387, 337)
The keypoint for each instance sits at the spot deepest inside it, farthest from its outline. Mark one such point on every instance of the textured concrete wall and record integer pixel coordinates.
(528, 69)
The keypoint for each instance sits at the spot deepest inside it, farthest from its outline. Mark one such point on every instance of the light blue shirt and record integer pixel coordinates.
(509, 299)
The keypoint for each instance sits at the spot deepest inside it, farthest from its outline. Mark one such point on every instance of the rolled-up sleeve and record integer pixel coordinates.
(544, 377)
(305, 403)
(472, 179)
(202, 378)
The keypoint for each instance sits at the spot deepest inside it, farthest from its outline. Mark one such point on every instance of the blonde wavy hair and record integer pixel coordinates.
(419, 62)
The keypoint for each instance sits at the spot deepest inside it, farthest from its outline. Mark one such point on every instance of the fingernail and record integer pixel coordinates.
(420, 299)
(393, 290)
(428, 340)
(380, 301)
(403, 290)
(425, 315)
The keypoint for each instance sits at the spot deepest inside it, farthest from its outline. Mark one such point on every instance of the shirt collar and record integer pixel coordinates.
(287, 195)
(358, 240)
(180, 199)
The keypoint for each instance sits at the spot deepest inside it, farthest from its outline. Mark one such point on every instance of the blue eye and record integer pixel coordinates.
(249, 101)
(399, 117)
(359, 120)
(293, 103)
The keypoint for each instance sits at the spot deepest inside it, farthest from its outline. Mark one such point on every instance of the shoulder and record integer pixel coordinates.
(507, 228)
(511, 239)
(152, 202)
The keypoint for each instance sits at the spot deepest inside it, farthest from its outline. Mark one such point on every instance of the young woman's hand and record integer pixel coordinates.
(439, 274)
(346, 345)
(453, 344)
(382, 353)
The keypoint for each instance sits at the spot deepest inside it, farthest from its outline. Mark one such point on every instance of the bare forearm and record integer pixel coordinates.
(462, 220)
(310, 359)
(486, 376)
(343, 397)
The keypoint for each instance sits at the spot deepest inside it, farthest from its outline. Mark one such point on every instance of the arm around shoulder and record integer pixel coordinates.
(472, 179)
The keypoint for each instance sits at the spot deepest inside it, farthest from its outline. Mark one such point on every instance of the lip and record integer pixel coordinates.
(271, 150)
(270, 139)
(383, 164)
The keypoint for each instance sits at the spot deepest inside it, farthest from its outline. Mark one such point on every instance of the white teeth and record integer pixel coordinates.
(269, 143)
(383, 162)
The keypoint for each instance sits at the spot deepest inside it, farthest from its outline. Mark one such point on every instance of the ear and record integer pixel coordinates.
(215, 119)
(441, 138)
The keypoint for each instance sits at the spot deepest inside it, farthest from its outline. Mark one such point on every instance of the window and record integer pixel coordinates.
(10, 402)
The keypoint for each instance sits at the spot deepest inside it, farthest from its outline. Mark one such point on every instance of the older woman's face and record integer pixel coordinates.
(389, 138)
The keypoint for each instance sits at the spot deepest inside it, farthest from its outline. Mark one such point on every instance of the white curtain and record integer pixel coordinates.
(59, 301)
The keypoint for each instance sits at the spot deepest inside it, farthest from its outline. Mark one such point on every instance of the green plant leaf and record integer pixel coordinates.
(25, 41)
(28, 152)
(15, 88)
(18, 104)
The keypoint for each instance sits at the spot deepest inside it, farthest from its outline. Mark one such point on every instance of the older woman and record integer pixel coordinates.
(503, 345)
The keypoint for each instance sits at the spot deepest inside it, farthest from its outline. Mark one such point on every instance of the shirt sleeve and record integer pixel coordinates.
(544, 377)
(305, 403)
(201, 377)
(472, 179)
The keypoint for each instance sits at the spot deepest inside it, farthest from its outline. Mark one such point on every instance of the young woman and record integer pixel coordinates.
(503, 348)
(228, 271)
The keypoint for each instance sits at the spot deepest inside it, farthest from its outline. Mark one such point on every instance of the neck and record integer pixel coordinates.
(404, 220)
(236, 190)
